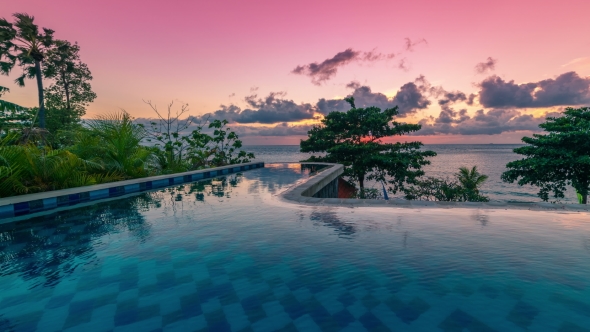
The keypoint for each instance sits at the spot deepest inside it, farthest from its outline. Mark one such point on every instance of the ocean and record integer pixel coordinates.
(490, 159)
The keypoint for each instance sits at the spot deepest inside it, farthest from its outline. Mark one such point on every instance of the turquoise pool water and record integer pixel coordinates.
(229, 255)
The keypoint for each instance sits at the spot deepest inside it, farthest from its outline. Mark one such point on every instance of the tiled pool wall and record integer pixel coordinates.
(22, 206)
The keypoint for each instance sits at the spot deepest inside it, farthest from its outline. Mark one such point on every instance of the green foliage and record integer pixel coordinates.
(176, 152)
(368, 193)
(113, 140)
(464, 188)
(355, 139)
(70, 93)
(557, 159)
(225, 146)
(28, 169)
(433, 189)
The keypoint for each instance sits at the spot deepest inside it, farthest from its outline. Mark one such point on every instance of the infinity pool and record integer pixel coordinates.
(230, 255)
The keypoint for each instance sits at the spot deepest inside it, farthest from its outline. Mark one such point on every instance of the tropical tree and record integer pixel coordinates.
(355, 139)
(22, 42)
(557, 159)
(471, 180)
(226, 145)
(71, 92)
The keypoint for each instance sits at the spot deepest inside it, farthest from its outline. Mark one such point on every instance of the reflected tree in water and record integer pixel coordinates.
(49, 248)
(331, 220)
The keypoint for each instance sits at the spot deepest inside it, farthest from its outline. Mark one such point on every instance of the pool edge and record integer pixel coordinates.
(16, 208)
(303, 194)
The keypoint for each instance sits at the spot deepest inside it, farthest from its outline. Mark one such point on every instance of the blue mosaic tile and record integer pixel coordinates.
(132, 188)
(21, 208)
(7, 211)
(98, 194)
(459, 321)
(84, 196)
(522, 314)
(489, 291)
(74, 198)
(116, 191)
(160, 183)
(572, 304)
(572, 327)
(36, 205)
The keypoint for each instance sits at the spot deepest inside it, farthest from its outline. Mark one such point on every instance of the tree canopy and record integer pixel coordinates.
(557, 159)
(355, 139)
(70, 93)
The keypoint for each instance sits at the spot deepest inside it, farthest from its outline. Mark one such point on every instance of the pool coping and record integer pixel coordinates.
(302, 193)
(21, 207)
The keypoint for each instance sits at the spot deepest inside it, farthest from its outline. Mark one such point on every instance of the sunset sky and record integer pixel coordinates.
(469, 71)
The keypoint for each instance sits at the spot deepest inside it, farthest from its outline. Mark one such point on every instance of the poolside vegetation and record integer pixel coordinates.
(465, 187)
(51, 147)
(557, 159)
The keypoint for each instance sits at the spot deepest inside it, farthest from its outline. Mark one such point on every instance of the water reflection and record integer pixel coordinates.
(282, 175)
(332, 220)
(45, 249)
(481, 218)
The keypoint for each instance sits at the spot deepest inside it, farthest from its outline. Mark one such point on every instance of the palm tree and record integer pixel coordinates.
(22, 42)
(471, 180)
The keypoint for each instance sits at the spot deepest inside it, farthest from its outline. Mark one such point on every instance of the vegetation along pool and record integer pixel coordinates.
(230, 255)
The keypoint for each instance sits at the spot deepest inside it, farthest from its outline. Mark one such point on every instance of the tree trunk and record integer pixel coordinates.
(584, 198)
(361, 179)
(41, 100)
(67, 89)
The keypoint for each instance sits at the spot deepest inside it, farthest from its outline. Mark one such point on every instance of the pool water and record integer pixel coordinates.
(230, 255)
